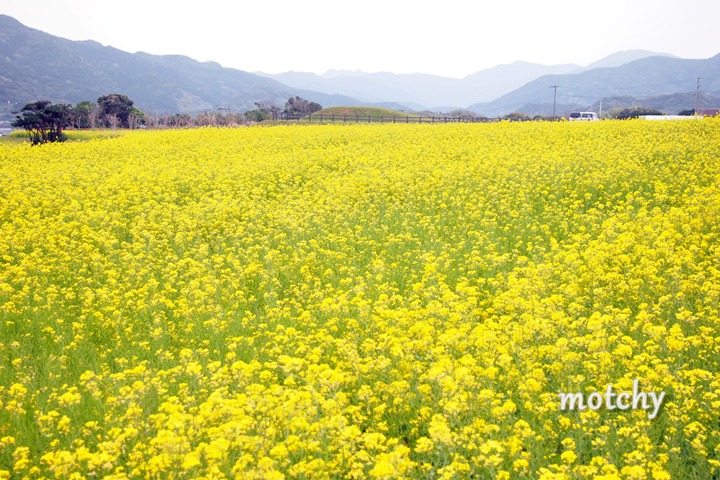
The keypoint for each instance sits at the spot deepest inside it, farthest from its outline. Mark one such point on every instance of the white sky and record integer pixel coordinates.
(444, 37)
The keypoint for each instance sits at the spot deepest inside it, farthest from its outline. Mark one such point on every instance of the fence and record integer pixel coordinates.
(343, 118)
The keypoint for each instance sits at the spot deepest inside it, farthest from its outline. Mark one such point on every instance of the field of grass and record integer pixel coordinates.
(361, 301)
(19, 136)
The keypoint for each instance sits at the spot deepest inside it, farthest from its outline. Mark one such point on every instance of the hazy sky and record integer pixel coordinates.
(447, 37)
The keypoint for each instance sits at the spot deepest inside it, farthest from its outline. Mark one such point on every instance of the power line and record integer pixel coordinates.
(697, 95)
(554, 97)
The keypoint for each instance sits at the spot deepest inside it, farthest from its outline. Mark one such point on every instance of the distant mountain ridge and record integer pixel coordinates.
(420, 90)
(423, 91)
(647, 77)
(618, 59)
(36, 65)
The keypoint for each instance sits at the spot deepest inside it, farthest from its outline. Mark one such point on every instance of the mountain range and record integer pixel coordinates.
(649, 77)
(432, 92)
(35, 65)
(422, 91)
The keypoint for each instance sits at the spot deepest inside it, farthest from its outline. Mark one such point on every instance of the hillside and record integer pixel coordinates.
(36, 65)
(422, 91)
(437, 93)
(648, 77)
(618, 59)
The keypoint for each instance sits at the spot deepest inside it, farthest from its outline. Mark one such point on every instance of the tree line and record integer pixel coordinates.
(270, 110)
(223, 117)
(46, 122)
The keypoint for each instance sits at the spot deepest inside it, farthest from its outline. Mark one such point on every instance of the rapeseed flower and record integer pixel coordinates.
(365, 301)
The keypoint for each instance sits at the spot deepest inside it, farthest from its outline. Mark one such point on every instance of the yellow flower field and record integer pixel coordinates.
(367, 301)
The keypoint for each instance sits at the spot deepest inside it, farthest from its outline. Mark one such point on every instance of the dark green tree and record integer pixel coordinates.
(516, 117)
(300, 106)
(257, 115)
(136, 118)
(270, 106)
(115, 110)
(264, 110)
(635, 112)
(85, 115)
(44, 122)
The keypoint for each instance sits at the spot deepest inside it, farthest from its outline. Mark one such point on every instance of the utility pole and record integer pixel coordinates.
(554, 97)
(697, 95)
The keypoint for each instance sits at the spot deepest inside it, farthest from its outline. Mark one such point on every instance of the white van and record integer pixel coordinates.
(583, 117)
